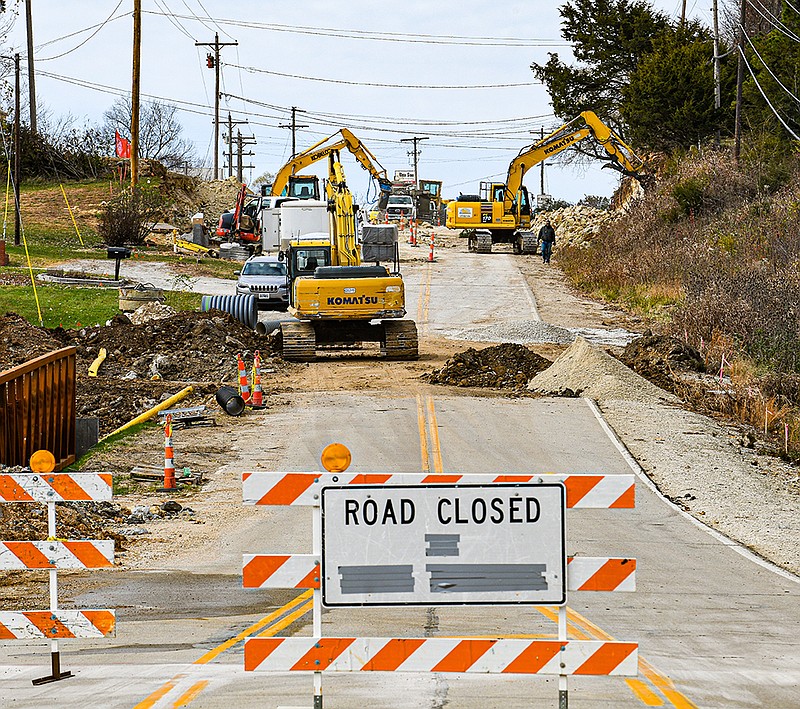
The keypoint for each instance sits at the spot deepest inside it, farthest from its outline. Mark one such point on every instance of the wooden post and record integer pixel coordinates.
(137, 52)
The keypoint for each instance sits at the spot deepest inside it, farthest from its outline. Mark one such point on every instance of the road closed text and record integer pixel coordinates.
(450, 510)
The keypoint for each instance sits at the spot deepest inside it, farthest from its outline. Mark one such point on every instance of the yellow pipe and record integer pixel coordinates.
(182, 394)
(98, 361)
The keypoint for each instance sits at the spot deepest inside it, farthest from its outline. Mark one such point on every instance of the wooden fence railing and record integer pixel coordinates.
(37, 409)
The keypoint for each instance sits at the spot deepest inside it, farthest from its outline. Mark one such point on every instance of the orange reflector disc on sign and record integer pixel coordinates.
(336, 458)
(43, 461)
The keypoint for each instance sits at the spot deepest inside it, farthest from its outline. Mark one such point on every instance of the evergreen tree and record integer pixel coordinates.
(668, 102)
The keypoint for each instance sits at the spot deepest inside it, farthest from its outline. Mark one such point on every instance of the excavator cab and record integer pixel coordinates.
(303, 187)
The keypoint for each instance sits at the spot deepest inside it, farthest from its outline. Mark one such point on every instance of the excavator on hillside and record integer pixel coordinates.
(336, 300)
(501, 213)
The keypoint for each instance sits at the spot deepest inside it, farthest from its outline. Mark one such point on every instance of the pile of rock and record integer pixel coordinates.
(151, 311)
(577, 225)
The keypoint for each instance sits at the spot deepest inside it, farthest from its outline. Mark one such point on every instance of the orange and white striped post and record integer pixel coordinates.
(244, 387)
(430, 253)
(169, 457)
(257, 400)
(412, 225)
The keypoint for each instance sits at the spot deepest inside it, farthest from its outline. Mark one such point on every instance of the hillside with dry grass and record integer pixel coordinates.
(711, 256)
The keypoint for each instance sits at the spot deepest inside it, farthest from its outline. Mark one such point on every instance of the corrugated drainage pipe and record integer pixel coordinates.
(243, 307)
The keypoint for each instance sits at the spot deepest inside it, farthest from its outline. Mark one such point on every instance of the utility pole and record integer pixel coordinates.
(717, 85)
(229, 137)
(293, 125)
(17, 223)
(137, 67)
(241, 141)
(415, 154)
(212, 62)
(737, 145)
(31, 80)
(683, 14)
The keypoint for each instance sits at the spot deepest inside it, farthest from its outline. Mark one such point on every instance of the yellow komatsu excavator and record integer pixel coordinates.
(307, 186)
(336, 300)
(501, 213)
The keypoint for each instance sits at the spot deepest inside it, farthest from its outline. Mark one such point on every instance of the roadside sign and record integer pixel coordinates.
(439, 545)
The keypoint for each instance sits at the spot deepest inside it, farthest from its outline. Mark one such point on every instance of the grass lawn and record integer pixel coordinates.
(74, 307)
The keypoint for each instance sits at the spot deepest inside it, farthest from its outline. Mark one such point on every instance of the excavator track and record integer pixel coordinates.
(526, 242)
(400, 339)
(480, 242)
(299, 341)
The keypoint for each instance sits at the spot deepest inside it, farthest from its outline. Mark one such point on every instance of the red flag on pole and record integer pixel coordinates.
(123, 146)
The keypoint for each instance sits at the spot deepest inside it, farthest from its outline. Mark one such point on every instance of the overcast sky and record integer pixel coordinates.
(334, 53)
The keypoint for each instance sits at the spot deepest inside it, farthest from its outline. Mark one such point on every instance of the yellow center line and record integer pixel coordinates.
(190, 694)
(160, 692)
(287, 621)
(645, 695)
(211, 654)
(168, 686)
(423, 438)
(661, 682)
(434, 431)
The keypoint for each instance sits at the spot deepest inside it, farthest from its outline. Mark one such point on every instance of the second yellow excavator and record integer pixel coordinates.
(501, 213)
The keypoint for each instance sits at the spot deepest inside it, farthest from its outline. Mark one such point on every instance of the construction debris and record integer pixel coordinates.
(577, 225)
(506, 366)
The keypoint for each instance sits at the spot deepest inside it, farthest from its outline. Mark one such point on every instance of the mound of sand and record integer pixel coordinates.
(585, 370)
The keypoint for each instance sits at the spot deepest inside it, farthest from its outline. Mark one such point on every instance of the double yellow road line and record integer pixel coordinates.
(268, 626)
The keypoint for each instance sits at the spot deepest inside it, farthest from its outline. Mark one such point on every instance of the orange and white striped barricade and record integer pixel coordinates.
(583, 491)
(169, 458)
(561, 657)
(53, 554)
(302, 571)
(464, 655)
(257, 399)
(244, 387)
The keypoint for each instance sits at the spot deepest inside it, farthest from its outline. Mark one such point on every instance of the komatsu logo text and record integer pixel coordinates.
(353, 300)
(560, 144)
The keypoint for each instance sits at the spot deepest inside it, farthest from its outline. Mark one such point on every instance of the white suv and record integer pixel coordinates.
(265, 278)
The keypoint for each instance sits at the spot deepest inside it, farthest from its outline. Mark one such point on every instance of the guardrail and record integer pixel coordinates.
(37, 409)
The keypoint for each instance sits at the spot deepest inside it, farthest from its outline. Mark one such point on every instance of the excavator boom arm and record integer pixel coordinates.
(320, 150)
(561, 139)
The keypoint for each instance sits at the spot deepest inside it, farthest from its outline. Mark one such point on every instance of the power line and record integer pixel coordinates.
(389, 36)
(774, 21)
(256, 70)
(772, 108)
(81, 31)
(99, 27)
(771, 73)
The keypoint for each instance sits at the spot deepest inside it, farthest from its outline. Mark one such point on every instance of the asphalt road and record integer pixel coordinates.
(715, 628)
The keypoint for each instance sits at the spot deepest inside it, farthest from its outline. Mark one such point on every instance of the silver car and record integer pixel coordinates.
(265, 278)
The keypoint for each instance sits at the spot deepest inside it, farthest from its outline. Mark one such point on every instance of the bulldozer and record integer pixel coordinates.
(337, 301)
(501, 212)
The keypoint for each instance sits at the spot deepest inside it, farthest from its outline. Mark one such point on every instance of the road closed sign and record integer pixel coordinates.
(437, 545)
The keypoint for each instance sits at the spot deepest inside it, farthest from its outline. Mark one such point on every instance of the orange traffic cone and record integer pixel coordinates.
(257, 401)
(169, 455)
(244, 387)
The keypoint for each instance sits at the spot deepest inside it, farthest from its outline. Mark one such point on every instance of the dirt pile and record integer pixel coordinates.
(657, 357)
(186, 347)
(575, 225)
(585, 370)
(20, 341)
(74, 520)
(145, 363)
(506, 366)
